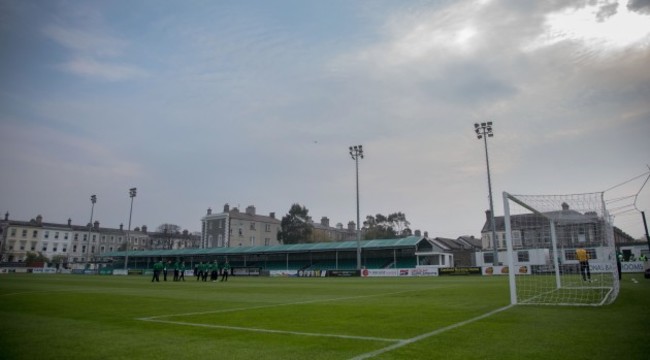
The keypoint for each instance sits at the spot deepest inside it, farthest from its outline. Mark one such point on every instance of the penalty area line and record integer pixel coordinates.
(429, 334)
(270, 331)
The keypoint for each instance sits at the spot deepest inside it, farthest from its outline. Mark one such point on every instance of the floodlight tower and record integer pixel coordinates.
(484, 131)
(356, 152)
(132, 192)
(93, 200)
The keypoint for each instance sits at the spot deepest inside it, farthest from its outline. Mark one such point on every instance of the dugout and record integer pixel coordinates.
(408, 252)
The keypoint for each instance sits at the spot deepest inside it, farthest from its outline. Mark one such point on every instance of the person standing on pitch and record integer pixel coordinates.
(176, 265)
(214, 271)
(197, 271)
(583, 258)
(181, 272)
(225, 271)
(157, 267)
(165, 266)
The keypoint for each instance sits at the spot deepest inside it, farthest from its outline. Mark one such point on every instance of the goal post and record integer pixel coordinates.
(547, 236)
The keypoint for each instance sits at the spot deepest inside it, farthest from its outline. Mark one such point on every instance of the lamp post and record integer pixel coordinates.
(356, 152)
(93, 200)
(484, 131)
(128, 233)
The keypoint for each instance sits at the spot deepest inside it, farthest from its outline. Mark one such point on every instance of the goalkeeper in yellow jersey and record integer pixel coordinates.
(583, 258)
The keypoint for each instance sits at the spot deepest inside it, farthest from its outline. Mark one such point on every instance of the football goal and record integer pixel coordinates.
(560, 249)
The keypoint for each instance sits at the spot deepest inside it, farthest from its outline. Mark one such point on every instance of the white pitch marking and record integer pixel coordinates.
(275, 305)
(275, 331)
(429, 334)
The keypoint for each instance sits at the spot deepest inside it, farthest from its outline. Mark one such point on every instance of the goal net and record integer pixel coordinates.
(547, 236)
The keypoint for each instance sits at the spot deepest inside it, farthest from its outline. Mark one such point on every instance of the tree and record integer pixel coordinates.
(295, 226)
(165, 236)
(34, 259)
(392, 226)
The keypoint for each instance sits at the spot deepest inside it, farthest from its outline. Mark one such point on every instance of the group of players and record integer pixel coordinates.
(201, 270)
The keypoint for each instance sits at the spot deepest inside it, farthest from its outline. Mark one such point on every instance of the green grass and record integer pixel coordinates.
(112, 317)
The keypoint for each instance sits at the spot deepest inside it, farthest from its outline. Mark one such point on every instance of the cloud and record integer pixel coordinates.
(86, 42)
(642, 6)
(94, 54)
(89, 67)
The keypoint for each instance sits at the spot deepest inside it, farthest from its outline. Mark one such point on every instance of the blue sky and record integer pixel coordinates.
(202, 103)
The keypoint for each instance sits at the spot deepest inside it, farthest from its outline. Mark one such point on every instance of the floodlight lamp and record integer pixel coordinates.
(490, 135)
(489, 123)
(483, 125)
(489, 128)
(476, 125)
(480, 137)
(93, 198)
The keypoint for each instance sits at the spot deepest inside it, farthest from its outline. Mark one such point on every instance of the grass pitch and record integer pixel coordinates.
(113, 317)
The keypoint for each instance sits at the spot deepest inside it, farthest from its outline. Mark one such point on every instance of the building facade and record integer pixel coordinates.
(76, 245)
(232, 228)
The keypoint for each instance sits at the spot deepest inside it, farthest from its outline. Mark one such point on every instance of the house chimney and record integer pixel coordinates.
(7, 216)
(250, 210)
(226, 208)
(121, 227)
(418, 233)
(426, 234)
(96, 225)
(565, 206)
(209, 211)
(69, 222)
(39, 220)
(144, 229)
(351, 226)
(488, 215)
(272, 215)
(325, 221)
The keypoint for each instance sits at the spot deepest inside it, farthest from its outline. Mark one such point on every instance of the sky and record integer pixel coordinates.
(202, 103)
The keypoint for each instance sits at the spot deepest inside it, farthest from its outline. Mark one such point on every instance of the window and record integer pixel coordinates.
(488, 257)
(74, 248)
(22, 245)
(267, 227)
(523, 256)
(65, 236)
(35, 233)
(33, 246)
(13, 231)
(44, 247)
(252, 226)
(47, 234)
(85, 237)
(252, 240)
(94, 237)
(56, 235)
(267, 241)
(241, 233)
(64, 248)
(24, 233)
(76, 236)
(83, 249)
(54, 247)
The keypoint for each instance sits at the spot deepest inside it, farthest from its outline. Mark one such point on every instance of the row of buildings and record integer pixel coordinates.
(77, 245)
(72, 244)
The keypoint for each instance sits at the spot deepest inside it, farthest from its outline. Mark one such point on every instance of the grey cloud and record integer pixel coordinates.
(606, 11)
(642, 6)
